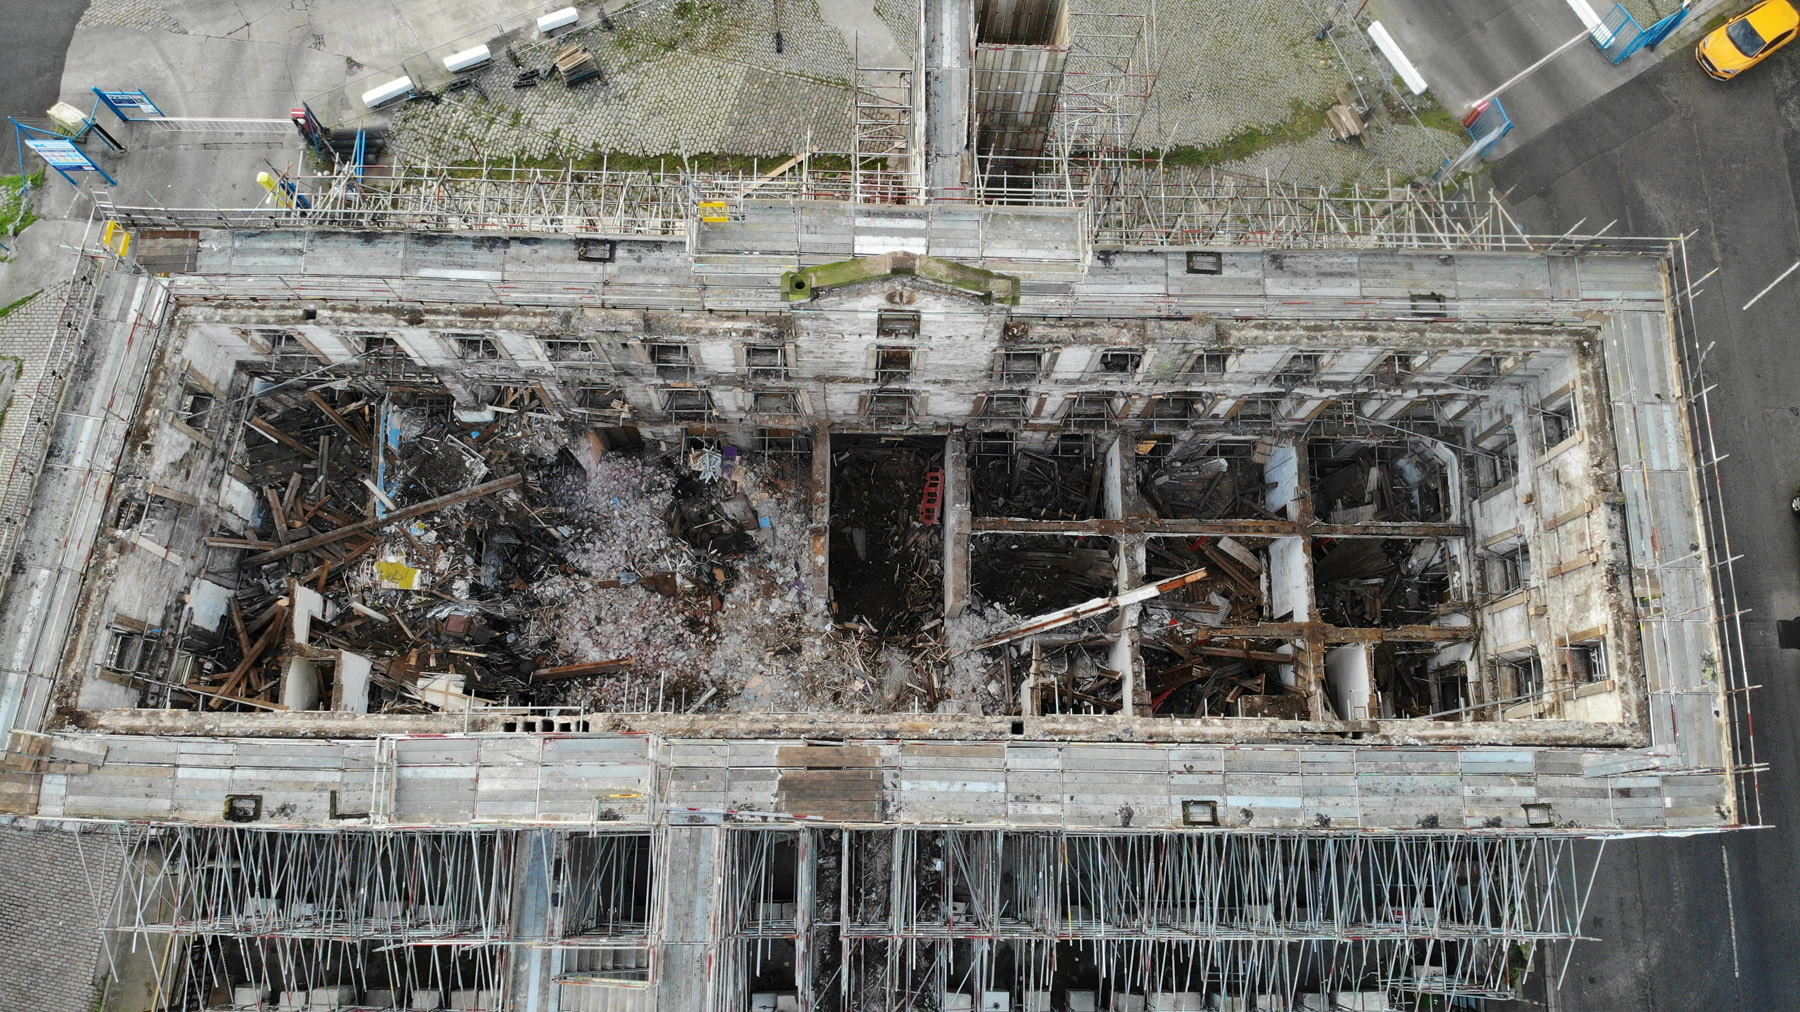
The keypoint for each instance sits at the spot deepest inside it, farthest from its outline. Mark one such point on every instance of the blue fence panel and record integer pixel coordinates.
(122, 102)
(1616, 34)
(1490, 126)
(1662, 29)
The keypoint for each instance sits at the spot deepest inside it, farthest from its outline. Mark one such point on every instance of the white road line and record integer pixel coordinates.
(1585, 12)
(1773, 283)
(1731, 908)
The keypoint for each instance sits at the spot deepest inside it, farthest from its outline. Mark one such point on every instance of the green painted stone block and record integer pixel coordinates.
(992, 286)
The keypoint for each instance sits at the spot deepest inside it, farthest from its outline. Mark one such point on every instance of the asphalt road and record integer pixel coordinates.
(1672, 152)
(37, 37)
(1466, 48)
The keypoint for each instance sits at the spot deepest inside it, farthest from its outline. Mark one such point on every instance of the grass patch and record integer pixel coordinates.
(7, 310)
(11, 195)
(1437, 117)
(704, 26)
(1304, 123)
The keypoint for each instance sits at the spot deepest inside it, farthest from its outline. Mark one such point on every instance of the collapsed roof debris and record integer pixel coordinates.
(408, 556)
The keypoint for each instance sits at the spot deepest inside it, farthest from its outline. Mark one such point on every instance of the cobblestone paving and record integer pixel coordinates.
(684, 76)
(52, 956)
(1404, 151)
(902, 19)
(1257, 64)
(703, 76)
(143, 15)
(26, 334)
(1647, 12)
(1229, 67)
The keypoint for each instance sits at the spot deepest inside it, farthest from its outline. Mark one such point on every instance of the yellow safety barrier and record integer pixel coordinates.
(116, 238)
(268, 182)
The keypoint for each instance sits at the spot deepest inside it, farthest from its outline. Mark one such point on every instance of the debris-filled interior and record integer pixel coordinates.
(407, 555)
(458, 536)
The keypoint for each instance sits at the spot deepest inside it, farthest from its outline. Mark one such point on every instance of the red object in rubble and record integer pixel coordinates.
(931, 505)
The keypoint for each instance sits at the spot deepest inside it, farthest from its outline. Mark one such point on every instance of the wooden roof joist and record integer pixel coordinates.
(366, 526)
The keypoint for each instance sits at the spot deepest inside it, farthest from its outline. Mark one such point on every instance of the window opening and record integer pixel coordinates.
(1121, 361)
(767, 362)
(893, 365)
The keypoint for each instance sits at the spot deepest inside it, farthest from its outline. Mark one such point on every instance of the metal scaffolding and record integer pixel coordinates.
(841, 919)
(1148, 205)
(1728, 608)
(364, 918)
(254, 914)
(1156, 205)
(1055, 123)
(887, 157)
(1095, 86)
(894, 919)
(1105, 87)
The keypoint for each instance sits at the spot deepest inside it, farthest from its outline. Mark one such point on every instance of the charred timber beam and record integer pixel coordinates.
(1245, 653)
(1217, 528)
(227, 690)
(281, 437)
(1331, 634)
(238, 543)
(578, 670)
(337, 419)
(277, 517)
(1086, 609)
(1401, 634)
(366, 526)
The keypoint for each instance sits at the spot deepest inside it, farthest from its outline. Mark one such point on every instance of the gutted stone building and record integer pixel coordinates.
(828, 591)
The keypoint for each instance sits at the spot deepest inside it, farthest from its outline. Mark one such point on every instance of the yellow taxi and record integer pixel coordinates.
(1748, 39)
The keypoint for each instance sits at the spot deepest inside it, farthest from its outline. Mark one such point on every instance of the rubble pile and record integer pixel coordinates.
(699, 572)
(1063, 485)
(1201, 480)
(405, 555)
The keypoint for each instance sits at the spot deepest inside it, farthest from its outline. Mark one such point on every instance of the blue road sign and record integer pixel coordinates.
(119, 100)
(61, 154)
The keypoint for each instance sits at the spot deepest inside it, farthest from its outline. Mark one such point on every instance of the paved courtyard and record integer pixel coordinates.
(1240, 85)
(51, 917)
(706, 76)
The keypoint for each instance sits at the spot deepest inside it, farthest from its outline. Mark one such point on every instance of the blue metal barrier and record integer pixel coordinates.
(1486, 125)
(1654, 34)
(121, 101)
(1492, 124)
(1617, 34)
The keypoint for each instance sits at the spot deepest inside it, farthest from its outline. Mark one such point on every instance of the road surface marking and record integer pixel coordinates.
(1585, 12)
(1730, 908)
(1773, 283)
(1415, 81)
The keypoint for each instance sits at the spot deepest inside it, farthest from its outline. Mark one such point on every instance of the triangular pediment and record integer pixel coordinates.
(914, 272)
